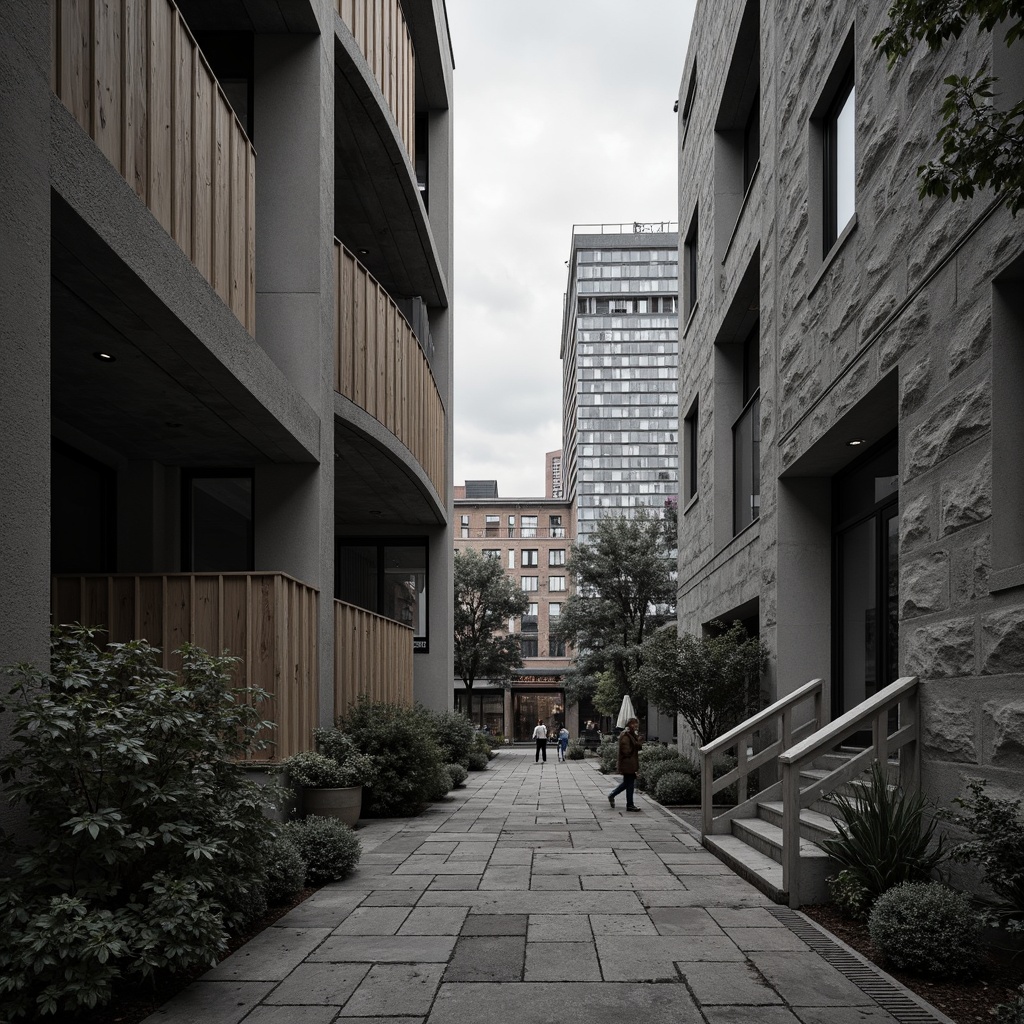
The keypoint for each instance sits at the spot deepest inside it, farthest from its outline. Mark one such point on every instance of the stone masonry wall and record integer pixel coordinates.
(908, 292)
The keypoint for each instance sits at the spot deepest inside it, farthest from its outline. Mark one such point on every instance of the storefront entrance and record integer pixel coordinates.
(529, 708)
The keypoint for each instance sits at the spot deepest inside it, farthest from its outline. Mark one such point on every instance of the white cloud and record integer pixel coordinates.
(563, 115)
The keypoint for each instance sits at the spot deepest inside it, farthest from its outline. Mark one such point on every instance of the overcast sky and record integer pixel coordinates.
(563, 115)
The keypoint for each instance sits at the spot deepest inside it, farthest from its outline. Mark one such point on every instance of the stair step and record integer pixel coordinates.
(766, 838)
(815, 824)
(761, 871)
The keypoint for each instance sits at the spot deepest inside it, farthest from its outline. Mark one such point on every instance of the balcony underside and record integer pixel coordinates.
(376, 479)
(169, 396)
(270, 16)
(377, 206)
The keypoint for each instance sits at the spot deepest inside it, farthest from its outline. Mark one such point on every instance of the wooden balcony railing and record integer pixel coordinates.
(379, 366)
(372, 656)
(381, 33)
(134, 78)
(268, 620)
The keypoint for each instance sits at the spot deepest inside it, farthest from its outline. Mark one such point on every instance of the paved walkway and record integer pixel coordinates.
(525, 898)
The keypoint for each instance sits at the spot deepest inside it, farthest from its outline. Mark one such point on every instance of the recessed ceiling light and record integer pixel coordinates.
(363, 252)
(104, 357)
(856, 441)
(375, 512)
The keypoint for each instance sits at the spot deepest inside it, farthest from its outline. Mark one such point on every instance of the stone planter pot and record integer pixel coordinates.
(344, 803)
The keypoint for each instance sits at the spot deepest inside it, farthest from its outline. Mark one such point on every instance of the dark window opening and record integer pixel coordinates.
(83, 504)
(217, 521)
(746, 439)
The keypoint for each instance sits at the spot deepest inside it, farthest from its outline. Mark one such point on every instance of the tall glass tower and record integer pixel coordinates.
(620, 357)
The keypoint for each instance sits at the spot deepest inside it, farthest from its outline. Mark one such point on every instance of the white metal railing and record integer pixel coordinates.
(873, 714)
(774, 730)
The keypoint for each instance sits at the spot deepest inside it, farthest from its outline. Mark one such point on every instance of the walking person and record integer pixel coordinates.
(628, 764)
(540, 734)
(563, 742)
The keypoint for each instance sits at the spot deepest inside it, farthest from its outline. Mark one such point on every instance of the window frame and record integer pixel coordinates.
(845, 93)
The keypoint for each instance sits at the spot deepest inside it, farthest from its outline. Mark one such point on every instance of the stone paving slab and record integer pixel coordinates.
(384, 949)
(714, 984)
(487, 958)
(390, 989)
(212, 1002)
(561, 961)
(270, 956)
(804, 979)
(319, 984)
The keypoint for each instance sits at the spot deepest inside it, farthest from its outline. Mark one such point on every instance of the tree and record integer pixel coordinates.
(485, 599)
(982, 145)
(624, 585)
(713, 681)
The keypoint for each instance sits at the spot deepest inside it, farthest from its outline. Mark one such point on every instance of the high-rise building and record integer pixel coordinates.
(553, 485)
(227, 354)
(619, 354)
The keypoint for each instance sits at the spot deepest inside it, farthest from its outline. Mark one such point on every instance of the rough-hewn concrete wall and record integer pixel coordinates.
(908, 292)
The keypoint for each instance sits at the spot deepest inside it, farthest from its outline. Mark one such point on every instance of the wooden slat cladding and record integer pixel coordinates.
(380, 366)
(382, 35)
(372, 656)
(268, 620)
(133, 77)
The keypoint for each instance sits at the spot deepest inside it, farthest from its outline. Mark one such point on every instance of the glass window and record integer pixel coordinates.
(746, 439)
(219, 522)
(690, 463)
(556, 648)
(554, 610)
(529, 560)
(511, 558)
(529, 582)
(556, 583)
(511, 526)
(529, 619)
(494, 553)
(529, 645)
(839, 162)
(491, 525)
(752, 141)
(464, 526)
(529, 526)
(690, 267)
(556, 556)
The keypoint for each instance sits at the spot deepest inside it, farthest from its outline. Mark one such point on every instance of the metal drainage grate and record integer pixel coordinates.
(865, 976)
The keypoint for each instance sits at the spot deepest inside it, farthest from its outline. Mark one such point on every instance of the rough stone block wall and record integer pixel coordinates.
(908, 292)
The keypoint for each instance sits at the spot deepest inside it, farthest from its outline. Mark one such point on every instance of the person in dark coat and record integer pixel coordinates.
(628, 764)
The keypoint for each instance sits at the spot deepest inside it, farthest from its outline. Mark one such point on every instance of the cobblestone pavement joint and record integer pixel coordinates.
(524, 896)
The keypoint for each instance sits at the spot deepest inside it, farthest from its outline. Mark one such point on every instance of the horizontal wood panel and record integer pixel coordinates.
(380, 366)
(132, 75)
(266, 620)
(372, 657)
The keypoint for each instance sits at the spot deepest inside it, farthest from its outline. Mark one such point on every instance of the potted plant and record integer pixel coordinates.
(330, 789)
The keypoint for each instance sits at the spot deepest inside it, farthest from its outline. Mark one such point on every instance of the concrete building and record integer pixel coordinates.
(619, 354)
(850, 377)
(531, 539)
(227, 343)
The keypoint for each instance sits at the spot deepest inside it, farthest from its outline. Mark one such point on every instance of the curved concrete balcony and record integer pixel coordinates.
(134, 78)
(381, 369)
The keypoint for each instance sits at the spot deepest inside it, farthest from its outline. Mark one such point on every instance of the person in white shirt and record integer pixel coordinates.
(540, 734)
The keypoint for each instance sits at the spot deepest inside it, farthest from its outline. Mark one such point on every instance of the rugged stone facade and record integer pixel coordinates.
(888, 333)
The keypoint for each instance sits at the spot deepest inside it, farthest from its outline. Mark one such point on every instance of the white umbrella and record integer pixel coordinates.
(626, 712)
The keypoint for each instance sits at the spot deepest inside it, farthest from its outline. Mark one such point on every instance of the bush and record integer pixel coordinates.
(677, 788)
(441, 783)
(654, 772)
(405, 756)
(286, 871)
(883, 840)
(154, 842)
(481, 745)
(477, 761)
(998, 849)
(328, 846)
(608, 756)
(576, 751)
(850, 897)
(926, 928)
(354, 767)
(455, 736)
(458, 775)
(318, 771)
(1011, 1013)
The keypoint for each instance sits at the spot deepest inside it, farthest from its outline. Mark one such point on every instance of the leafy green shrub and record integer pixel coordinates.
(677, 788)
(440, 783)
(883, 839)
(355, 768)
(455, 736)
(458, 775)
(654, 752)
(998, 849)
(286, 871)
(317, 771)
(654, 772)
(481, 745)
(608, 756)
(926, 928)
(1011, 1013)
(477, 761)
(848, 894)
(405, 755)
(154, 842)
(575, 751)
(328, 846)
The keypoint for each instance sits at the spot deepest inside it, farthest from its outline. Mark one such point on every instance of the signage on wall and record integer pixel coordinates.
(419, 645)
